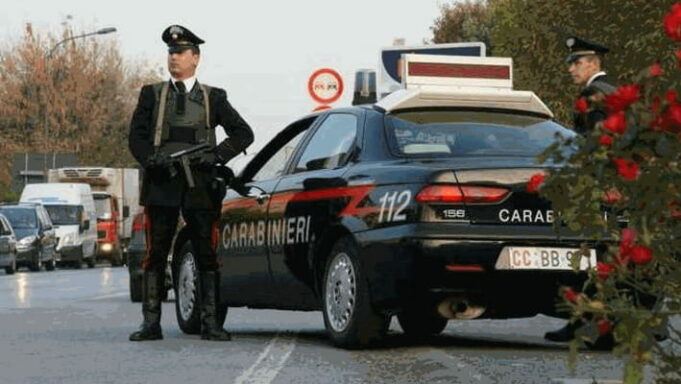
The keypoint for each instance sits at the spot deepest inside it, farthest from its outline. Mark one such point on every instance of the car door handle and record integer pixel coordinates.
(261, 198)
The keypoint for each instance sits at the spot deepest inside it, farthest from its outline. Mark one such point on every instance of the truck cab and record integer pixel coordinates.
(108, 238)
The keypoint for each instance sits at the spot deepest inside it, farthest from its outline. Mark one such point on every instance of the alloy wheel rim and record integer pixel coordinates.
(187, 286)
(341, 291)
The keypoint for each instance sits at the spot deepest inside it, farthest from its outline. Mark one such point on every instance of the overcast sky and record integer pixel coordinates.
(262, 52)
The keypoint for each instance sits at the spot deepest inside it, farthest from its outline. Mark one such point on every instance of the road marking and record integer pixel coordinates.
(269, 363)
(110, 296)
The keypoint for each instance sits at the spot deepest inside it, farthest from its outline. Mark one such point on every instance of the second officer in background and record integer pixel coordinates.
(171, 116)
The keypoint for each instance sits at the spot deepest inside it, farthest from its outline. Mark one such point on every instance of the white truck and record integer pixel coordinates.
(116, 193)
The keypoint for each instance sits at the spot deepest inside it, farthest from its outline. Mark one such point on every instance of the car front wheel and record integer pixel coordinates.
(350, 320)
(37, 264)
(10, 269)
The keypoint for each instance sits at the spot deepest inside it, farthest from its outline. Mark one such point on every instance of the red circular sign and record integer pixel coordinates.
(321, 108)
(325, 86)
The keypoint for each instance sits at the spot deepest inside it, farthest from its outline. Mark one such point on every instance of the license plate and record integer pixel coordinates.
(543, 258)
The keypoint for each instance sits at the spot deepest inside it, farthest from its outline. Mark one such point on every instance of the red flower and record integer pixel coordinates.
(624, 96)
(640, 254)
(656, 70)
(605, 140)
(536, 181)
(627, 237)
(604, 270)
(672, 22)
(671, 96)
(627, 169)
(604, 327)
(570, 295)
(581, 105)
(616, 122)
(612, 196)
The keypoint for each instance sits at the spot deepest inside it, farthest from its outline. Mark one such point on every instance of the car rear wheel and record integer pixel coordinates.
(350, 320)
(187, 308)
(421, 322)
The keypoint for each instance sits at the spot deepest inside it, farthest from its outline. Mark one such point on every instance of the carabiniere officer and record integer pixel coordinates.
(171, 116)
(585, 65)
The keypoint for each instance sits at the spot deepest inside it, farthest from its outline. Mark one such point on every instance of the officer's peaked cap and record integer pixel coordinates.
(580, 47)
(179, 38)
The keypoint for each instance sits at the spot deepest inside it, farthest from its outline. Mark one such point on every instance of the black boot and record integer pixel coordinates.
(151, 308)
(210, 329)
(565, 334)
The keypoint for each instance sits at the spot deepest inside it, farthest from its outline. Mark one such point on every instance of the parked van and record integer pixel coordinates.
(72, 210)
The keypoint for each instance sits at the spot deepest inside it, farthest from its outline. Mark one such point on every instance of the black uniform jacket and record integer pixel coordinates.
(596, 91)
(173, 191)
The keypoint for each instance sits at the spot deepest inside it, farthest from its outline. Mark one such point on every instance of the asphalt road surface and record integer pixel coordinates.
(72, 326)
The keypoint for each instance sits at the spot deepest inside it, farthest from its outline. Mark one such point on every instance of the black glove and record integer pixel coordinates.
(157, 160)
(158, 167)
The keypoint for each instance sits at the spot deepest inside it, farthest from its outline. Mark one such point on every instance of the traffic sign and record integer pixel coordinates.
(325, 86)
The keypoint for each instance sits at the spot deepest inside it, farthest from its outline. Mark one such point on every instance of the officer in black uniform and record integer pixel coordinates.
(585, 61)
(172, 116)
(585, 67)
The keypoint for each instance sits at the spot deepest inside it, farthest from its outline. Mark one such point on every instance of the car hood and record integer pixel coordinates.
(24, 232)
(62, 230)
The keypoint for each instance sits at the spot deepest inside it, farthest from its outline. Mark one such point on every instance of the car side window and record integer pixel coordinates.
(44, 219)
(4, 228)
(274, 167)
(330, 145)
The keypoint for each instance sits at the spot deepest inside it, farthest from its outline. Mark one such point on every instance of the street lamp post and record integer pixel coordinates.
(48, 57)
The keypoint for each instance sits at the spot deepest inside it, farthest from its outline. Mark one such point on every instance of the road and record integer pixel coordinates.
(72, 326)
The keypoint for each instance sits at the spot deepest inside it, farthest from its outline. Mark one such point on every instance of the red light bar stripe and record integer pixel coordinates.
(464, 268)
(502, 72)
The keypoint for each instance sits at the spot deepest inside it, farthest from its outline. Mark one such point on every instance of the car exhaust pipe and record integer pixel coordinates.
(459, 308)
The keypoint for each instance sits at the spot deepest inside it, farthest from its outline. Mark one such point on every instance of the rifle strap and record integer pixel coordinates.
(158, 131)
(206, 103)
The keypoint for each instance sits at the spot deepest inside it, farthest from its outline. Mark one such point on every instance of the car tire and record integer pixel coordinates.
(349, 317)
(421, 322)
(136, 286)
(52, 265)
(37, 265)
(10, 269)
(187, 308)
(186, 292)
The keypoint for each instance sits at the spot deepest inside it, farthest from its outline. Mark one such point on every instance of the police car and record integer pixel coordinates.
(415, 206)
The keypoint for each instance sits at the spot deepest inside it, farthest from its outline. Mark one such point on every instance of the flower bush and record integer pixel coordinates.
(621, 188)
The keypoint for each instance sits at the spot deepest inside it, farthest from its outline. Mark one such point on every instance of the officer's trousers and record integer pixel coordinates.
(161, 225)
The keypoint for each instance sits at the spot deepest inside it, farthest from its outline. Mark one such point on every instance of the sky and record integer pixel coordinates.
(261, 52)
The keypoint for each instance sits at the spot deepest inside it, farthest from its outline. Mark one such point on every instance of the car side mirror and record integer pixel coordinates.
(85, 225)
(126, 211)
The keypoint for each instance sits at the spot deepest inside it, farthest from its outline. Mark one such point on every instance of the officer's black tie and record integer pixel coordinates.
(181, 97)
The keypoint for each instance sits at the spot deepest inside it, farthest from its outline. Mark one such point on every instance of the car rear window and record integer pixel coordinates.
(449, 133)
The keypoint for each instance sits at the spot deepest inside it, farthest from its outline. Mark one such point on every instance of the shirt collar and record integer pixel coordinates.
(592, 78)
(189, 83)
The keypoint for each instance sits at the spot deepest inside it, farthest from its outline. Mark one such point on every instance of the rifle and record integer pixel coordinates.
(184, 157)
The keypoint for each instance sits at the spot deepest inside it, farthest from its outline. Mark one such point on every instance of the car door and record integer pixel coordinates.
(244, 233)
(46, 232)
(305, 202)
(6, 238)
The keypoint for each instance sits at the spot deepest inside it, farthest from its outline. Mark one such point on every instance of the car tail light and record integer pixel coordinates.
(453, 193)
(138, 224)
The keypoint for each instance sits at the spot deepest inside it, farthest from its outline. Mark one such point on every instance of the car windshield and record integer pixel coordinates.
(21, 218)
(64, 214)
(449, 133)
(103, 206)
